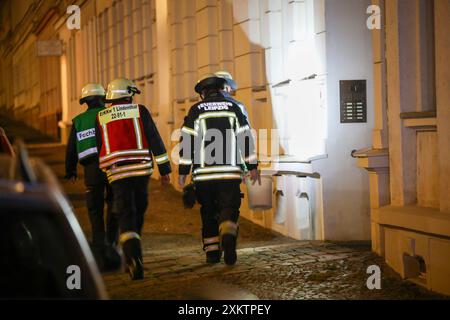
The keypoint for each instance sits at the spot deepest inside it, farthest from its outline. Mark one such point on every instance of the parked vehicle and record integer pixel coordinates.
(43, 251)
(5, 145)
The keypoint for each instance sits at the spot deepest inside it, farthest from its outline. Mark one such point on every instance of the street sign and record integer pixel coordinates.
(49, 48)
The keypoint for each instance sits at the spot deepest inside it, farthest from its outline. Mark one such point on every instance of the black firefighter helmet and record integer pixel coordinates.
(209, 81)
(215, 80)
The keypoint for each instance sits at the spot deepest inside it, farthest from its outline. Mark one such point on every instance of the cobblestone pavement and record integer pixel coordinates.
(270, 266)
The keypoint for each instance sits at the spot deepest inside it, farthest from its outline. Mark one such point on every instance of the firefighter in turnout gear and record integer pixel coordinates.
(129, 143)
(82, 148)
(218, 147)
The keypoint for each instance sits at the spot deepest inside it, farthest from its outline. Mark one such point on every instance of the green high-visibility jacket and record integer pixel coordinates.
(84, 125)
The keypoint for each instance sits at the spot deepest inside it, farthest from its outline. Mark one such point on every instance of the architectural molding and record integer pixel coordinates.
(425, 220)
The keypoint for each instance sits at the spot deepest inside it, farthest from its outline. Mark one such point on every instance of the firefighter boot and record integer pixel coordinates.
(213, 256)
(211, 246)
(228, 234)
(229, 249)
(133, 258)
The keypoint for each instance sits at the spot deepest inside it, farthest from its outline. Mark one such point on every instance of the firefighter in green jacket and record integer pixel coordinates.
(82, 148)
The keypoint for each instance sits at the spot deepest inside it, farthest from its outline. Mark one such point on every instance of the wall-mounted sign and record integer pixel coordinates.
(353, 101)
(49, 48)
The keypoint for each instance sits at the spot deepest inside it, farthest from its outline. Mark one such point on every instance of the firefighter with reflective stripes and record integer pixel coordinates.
(129, 142)
(218, 147)
(82, 148)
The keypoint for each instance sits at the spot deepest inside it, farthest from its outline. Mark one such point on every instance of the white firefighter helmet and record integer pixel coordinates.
(121, 88)
(228, 79)
(92, 90)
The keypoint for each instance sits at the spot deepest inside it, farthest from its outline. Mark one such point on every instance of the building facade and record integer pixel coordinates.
(30, 86)
(291, 60)
(408, 162)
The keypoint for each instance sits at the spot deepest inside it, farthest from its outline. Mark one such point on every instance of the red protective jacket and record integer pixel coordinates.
(127, 139)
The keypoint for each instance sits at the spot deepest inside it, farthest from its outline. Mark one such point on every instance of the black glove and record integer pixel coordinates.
(189, 197)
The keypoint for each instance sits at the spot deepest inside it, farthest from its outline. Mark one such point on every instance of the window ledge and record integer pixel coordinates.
(418, 115)
(295, 159)
(421, 219)
(372, 159)
(425, 120)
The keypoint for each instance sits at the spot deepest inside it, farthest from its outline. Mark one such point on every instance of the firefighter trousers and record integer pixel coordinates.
(130, 202)
(220, 201)
(98, 192)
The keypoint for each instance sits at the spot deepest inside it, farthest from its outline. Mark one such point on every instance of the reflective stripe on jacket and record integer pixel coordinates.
(216, 140)
(128, 141)
(84, 125)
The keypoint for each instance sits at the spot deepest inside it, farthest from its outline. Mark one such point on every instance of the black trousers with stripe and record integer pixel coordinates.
(130, 202)
(220, 201)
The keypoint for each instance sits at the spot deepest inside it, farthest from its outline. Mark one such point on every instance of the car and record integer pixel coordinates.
(5, 145)
(43, 251)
